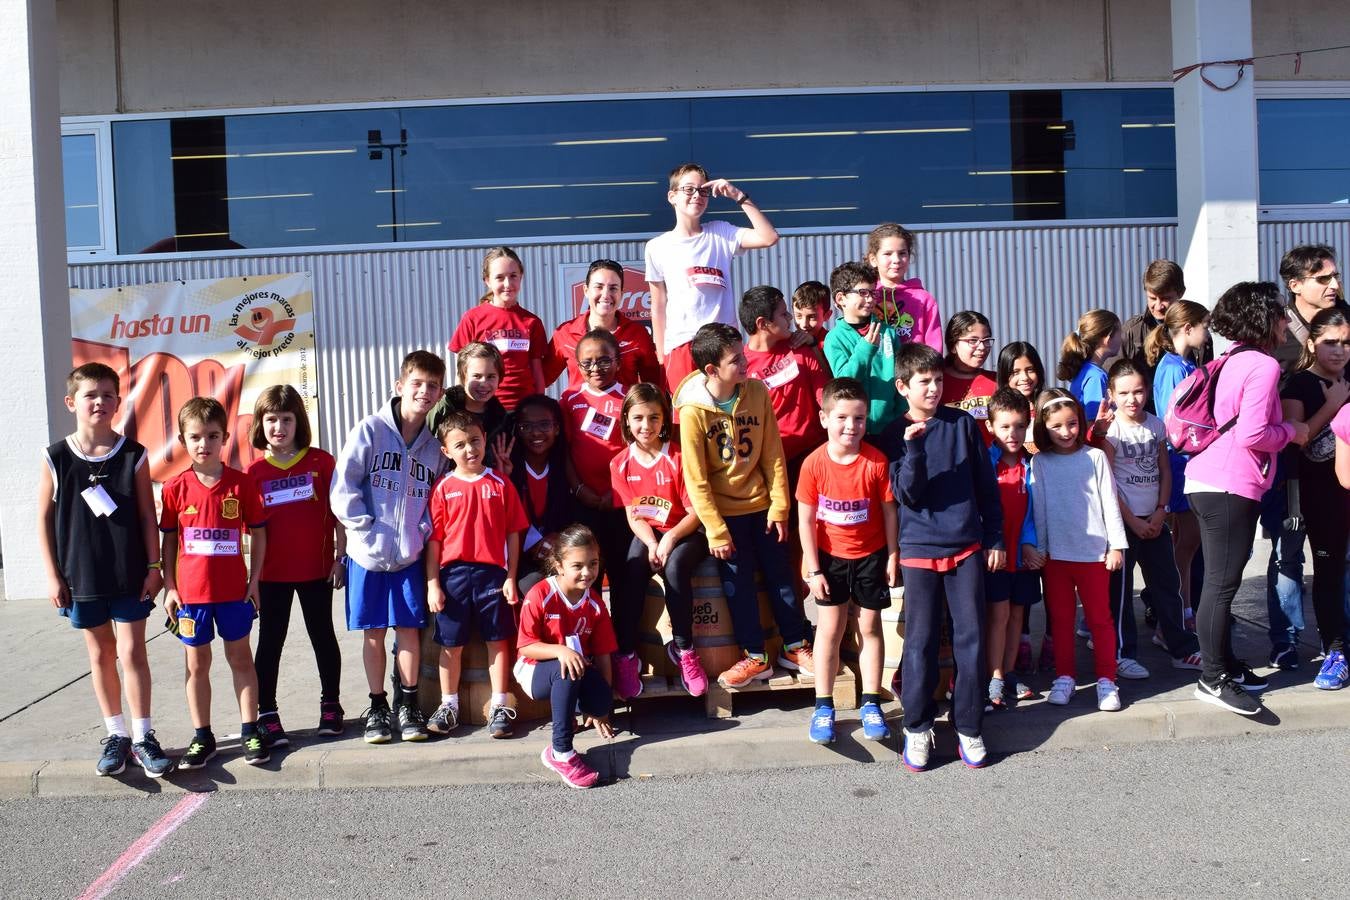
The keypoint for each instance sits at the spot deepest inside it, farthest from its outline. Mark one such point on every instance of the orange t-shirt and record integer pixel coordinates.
(848, 499)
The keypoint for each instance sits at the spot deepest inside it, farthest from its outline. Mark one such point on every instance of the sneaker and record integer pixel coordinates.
(972, 750)
(822, 725)
(799, 660)
(1131, 669)
(1248, 679)
(444, 720)
(692, 676)
(918, 745)
(1108, 695)
(1047, 662)
(1228, 694)
(412, 725)
(198, 754)
(746, 670)
(1023, 692)
(116, 748)
(499, 722)
(995, 695)
(574, 772)
(1192, 662)
(150, 756)
(377, 718)
(1023, 663)
(1284, 658)
(1334, 673)
(270, 725)
(255, 747)
(873, 723)
(1158, 641)
(1061, 691)
(627, 681)
(330, 718)
(1319, 657)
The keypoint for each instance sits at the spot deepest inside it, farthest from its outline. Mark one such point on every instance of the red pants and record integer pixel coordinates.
(1092, 582)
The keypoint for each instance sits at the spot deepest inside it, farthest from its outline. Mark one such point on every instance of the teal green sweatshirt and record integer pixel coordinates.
(850, 356)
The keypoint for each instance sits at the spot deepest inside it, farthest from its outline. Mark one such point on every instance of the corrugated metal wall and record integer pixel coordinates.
(372, 307)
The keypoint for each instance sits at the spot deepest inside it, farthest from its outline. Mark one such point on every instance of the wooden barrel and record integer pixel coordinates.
(475, 688)
(714, 637)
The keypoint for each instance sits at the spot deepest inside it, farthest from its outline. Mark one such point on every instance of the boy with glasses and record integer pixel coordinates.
(689, 267)
(863, 347)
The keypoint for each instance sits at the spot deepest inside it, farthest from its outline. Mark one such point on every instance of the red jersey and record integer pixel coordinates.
(295, 496)
(210, 522)
(594, 437)
(655, 492)
(547, 617)
(536, 484)
(517, 333)
(1013, 497)
(794, 379)
(848, 499)
(471, 515)
(637, 352)
(970, 393)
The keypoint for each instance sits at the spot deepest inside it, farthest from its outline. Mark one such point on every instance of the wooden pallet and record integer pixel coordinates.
(718, 700)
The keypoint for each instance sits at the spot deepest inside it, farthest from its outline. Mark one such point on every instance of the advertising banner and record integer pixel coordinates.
(636, 302)
(227, 338)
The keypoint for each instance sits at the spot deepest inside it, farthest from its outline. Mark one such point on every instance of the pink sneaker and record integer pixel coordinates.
(691, 670)
(574, 772)
(627, 682)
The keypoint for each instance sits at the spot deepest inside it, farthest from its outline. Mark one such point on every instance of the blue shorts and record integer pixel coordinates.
(1022, 588)
(473, 594)
(93, 613)
(1178, 501)
(199, 622)
(386, 599)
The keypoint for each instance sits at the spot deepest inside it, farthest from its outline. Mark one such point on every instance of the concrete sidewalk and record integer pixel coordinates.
(50, 725)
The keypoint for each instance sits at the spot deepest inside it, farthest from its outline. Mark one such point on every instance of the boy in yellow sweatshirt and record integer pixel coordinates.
(736, 475)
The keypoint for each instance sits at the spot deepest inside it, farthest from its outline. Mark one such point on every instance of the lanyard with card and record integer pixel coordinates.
(98, 500)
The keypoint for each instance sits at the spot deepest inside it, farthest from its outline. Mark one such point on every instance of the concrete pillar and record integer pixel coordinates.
(34, 298)
(1216, 148)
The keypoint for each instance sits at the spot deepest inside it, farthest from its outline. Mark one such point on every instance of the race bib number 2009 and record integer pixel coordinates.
(211, 541)
(841, 512)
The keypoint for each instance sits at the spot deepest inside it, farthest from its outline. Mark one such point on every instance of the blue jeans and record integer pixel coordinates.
(1284, 587)
(759, 552)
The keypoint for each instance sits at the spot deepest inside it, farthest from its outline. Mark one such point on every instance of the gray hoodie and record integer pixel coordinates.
(381, 491)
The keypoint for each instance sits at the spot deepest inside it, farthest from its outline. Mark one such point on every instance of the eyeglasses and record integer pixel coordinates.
(536, 427)
(689, 190)
(600, 362)
(1326, 279)
(1334, 345)
(862, 293)
(976, 343)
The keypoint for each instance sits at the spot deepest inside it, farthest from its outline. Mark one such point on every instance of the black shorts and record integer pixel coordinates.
(863, 580)
(1021, 587)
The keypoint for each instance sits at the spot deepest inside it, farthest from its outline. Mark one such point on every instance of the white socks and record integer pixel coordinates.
(564, 757)
(139, 729)
(116, 725)
(501, 700)
(452, 699)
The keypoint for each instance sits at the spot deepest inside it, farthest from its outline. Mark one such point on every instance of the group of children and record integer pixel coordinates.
(495, 511)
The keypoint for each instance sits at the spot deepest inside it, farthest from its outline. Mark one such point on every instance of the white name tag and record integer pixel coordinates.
(98, 500)
(211, 541)
(598, 424)
(652, 509)
(281, 491)
(785, 374)
(841, 512)
(509, 345)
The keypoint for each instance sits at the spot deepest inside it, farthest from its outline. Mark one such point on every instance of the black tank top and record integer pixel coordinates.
(101, 557)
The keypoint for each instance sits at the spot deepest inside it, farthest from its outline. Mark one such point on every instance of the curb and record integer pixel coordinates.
(751, 748)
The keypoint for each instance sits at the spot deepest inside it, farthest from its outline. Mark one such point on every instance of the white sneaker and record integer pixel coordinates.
(1131, 669)
(1191, 662)
(972, 750)
(1108, 695)
(918, 745)
(1157, 640)
(1061, 691)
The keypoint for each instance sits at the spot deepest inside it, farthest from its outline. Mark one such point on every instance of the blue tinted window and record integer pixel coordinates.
(1302, 148)
(79, 160)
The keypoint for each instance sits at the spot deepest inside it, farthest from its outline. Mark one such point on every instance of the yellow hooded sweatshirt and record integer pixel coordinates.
(733, 464)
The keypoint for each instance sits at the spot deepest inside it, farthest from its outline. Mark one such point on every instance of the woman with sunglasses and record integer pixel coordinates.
(604, 296)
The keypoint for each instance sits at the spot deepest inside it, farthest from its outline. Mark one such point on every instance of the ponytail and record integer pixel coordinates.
(1072, 356)
(1156, 343)
(1179, 315)
(1095, 327)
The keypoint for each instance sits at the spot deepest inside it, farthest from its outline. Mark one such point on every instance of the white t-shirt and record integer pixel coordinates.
(1136, 462)
(697, 274)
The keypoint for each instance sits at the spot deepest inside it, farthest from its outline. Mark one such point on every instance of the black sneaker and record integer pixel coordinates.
(377, 724)
(1284, 658)
(331, 722)
(256, 751)
(114, 758)
(270, 726)
(150, 756)
(412, 725)
(1228, 694)
(198, 754)
(1246, 678)
(499, 722)
(444, 720)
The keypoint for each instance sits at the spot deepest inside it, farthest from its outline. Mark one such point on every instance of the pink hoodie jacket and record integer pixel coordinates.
(1242, 460)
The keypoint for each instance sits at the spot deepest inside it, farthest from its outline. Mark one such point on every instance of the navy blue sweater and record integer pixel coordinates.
(945, 486)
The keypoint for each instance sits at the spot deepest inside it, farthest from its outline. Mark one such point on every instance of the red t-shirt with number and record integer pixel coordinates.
(471, 515)
(971, 393)
(848, 499)
(295, 495)
(517, 333)
(547, 617)
(654, 491)
(591, 420)
(210, 522)
(794, 379)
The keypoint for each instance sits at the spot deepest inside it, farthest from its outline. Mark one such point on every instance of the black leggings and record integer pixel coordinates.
(274, 620)
(1227, 529)
(613, 534)
(1327, 535)
(678, 577)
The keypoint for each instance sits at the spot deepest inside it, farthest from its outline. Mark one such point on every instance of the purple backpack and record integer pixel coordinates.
(1190, 424)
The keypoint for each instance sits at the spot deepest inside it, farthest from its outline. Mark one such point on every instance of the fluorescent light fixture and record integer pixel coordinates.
(206, 156)
(951, 205)
(975, 205)
(391, 190)
(83, 206)
(805, 134)
(268, 196)
(204, 234)
(311, 228)
(514, 187)
(1131, 170)
(612, 183)
(1028, 203)
(1018, 172)
(538, 219)
(800, 209)
(593, 141)
(1057, 128)
(615, 216)
(916, 131)
(775, 178)
(1148, 125)
(301, 153)
(797, 134)
(409, 225)
(837, 177)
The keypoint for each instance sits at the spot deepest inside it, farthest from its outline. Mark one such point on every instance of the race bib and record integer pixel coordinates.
(841, 512)
(706, 275)
(598, 424)
(788, 371)
(290, 489)
(653, 509)
(509, 345)
(211, 541)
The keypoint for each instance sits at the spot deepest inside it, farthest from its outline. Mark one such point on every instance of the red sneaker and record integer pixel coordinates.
(574, 772)
(745, 671)
(695, 680)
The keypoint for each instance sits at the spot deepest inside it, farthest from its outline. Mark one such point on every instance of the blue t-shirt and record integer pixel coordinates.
(1172, 368)
(1089, 388)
